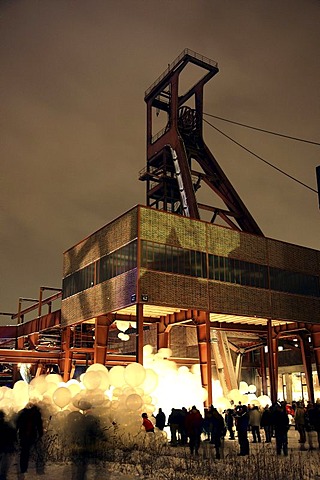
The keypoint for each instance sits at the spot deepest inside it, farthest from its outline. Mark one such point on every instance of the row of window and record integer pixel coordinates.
(166, 258)
(105, 268)
(170, 259)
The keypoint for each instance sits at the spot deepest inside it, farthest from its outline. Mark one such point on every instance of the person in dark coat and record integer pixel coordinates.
(207, 424)
(310, 428)
(194, 424)
(242, 422)
(218, 430)
(280, 421)
(30, 430)
(182, 426)
(174, 422)
(266, 423)
(160, 419)
(299, 419)
(7, 445)
(230, 423)
(314, 416)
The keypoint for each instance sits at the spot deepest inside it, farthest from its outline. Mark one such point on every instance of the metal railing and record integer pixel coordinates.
(172, 65)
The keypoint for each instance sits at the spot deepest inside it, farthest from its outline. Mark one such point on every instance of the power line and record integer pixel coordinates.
(260, 158)
(263, 130)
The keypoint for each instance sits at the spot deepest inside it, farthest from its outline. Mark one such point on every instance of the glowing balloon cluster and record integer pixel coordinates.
(118, 396)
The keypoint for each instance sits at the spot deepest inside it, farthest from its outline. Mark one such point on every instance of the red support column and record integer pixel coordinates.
(139, 334)
(101, 333)
(272, 362)
(315, 340)
(66, 360)
(263, 372)
(204, 345)
(307, 364)
(163, 334)
(33, 340)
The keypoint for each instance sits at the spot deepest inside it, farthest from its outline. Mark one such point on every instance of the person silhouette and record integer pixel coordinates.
(30, 431)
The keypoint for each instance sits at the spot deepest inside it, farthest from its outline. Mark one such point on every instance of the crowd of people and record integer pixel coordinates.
(242, 422)
(187, 428)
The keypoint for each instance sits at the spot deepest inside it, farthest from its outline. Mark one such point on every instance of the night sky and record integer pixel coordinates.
(73, 76)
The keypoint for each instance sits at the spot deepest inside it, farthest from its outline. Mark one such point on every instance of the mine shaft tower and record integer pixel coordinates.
(178, 163)
(172, 152)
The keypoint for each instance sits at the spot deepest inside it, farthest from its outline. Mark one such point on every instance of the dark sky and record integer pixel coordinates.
(73, 76)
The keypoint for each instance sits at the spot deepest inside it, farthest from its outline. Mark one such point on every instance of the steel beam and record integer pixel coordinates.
(315, 340)
(65, 360)
(139, 334)
(163, 331)
(238, 366)
(272, 342)
(33, 340)
(263, 371)
(204, 345)
(307, 364)
(102, 324)
(224, 362)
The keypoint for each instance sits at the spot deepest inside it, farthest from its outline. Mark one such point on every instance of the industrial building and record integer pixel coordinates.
(215, 290)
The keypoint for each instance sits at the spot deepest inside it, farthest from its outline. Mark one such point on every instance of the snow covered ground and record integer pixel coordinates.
(131, 470)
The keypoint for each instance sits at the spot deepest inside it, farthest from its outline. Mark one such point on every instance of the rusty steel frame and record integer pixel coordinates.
(189, 145)
(303, 331)
(67, 356)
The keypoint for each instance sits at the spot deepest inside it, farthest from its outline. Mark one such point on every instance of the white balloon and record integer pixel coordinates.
(74, 388)
(150, 382)
(264, 400)
(234, 395)
(222, 403)
(122, 325)
(165, 352)
(97, 367)
(243, 387)
(123, 336)
(54, 378)
(147, 350)
(116, 376)
(40, 383)
(134, 374)
(134, 402)
(61, 397)
(251, 397)
(252, 389)
(91, 380)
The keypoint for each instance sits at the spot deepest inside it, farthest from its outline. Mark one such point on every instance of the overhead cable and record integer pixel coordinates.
(263, 130)
(260, 158)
